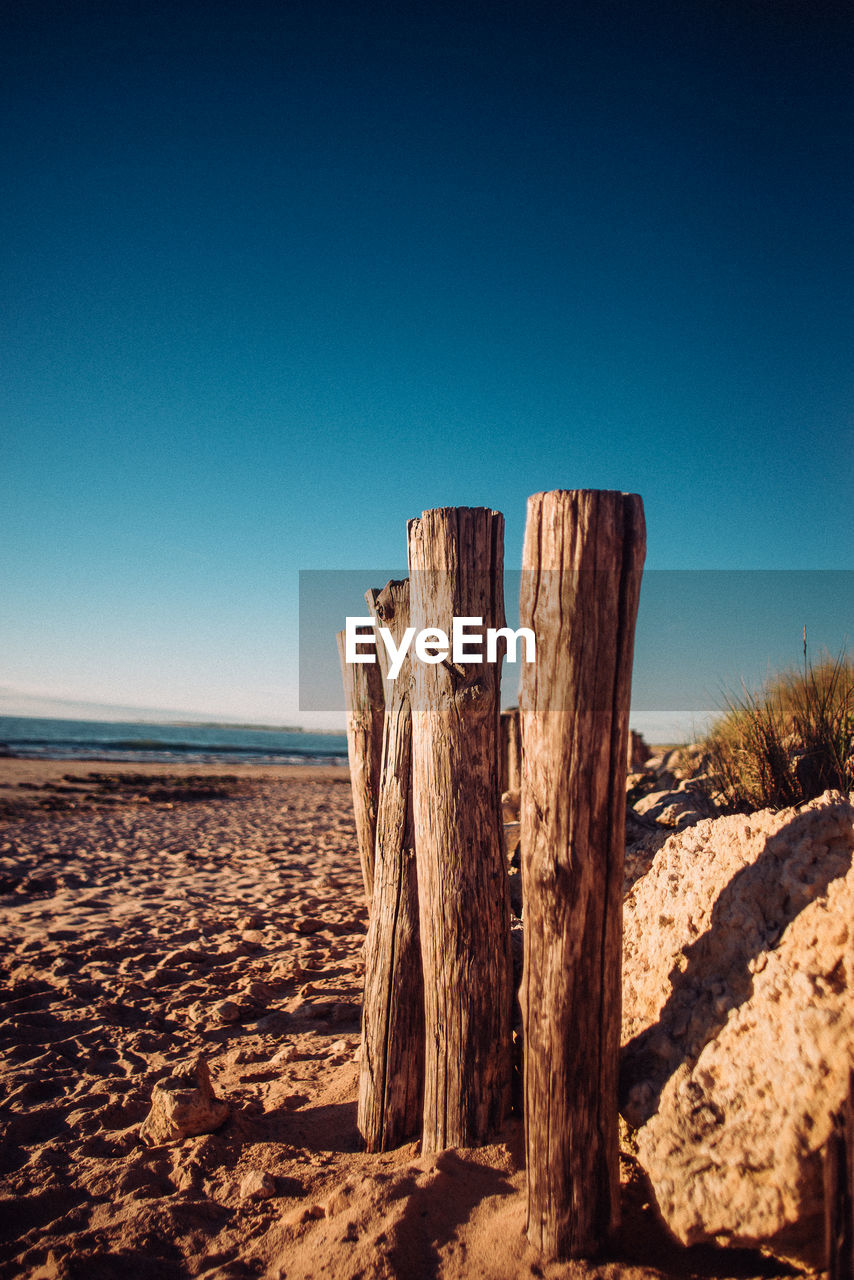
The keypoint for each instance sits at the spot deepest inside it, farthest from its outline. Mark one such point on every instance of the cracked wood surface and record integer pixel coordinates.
(456, 566)
(391, 1073)
(363, 698)
(581, 569)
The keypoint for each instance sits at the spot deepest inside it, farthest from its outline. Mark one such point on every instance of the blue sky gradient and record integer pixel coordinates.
(279, 276)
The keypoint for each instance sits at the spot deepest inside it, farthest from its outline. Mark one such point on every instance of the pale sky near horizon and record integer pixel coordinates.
(276, 278)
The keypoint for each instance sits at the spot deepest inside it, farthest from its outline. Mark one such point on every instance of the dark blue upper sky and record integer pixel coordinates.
(276, 277)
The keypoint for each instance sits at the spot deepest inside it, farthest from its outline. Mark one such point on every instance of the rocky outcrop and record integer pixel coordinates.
(679, 806)
(738, 1024)
(183, 1106)
(672, 788)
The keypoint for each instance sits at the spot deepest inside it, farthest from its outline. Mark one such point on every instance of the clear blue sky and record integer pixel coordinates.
(278, 276)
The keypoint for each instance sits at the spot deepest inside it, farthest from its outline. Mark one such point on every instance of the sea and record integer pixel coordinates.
(43, 739)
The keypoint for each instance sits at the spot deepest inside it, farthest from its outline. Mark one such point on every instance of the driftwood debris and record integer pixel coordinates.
(581, 571)
(456, 566)
(391, 1077)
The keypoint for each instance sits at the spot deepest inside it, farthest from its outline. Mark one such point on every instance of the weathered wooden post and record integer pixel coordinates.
(391, 1075)
(639, 752)
(363, 698)
(456, 564)
(839, 1191)
(511, 750)
(581, 571)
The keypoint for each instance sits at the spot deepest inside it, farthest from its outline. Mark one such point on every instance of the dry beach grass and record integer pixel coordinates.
(147, 918)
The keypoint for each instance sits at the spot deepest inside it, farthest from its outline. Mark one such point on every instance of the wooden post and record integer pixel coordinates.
(391, 1075)
(581, 571)
(363, 698)
(456, 564)
(839, 1191)
(639, 752)
(511, 750)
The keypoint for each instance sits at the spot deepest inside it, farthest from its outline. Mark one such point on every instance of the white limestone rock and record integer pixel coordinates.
(183, 1106)
(738, 1021)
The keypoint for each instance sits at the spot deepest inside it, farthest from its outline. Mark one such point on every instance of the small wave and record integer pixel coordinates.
(213, 750)
(163, 754)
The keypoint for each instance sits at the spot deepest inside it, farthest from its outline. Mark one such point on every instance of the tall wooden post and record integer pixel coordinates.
(363, 698)
(391, 1075)
(581, 571)
(511, 750)
(839, 1191)
(456, 563)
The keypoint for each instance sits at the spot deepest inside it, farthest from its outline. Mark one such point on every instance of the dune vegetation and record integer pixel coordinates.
(787, 742)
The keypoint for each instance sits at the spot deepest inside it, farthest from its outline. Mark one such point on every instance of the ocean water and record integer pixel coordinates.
(165, 743)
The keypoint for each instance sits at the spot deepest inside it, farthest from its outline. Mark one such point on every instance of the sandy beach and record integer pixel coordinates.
(149, 916)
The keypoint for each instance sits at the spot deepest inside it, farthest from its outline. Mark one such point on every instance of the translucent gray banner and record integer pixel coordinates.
(700, 634)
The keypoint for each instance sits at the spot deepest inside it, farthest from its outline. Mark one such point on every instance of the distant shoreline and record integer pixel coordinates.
(166, 742)
(172, 723)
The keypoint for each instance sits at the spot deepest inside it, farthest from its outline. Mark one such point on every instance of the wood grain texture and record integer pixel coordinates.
(511, 750)
(391, 1074)
(581, 571)
(456, 563)
(839, 1192)
(363, 699)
